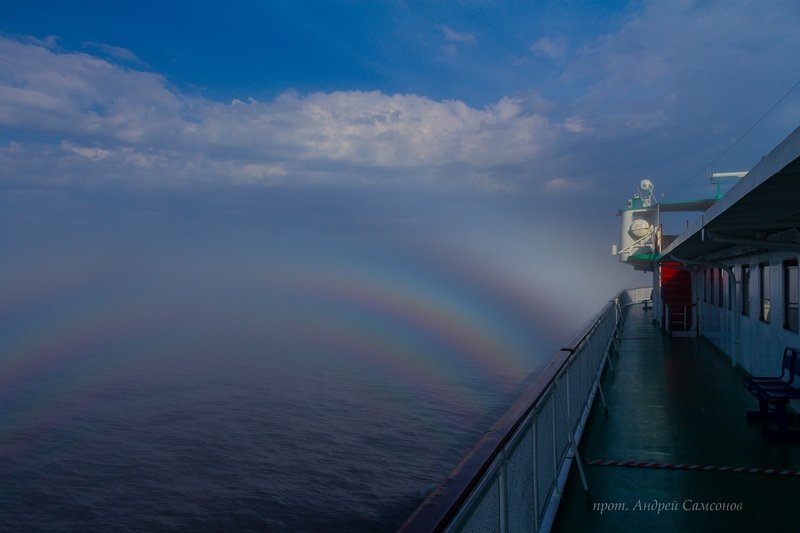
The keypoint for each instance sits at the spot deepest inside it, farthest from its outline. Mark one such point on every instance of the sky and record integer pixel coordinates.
(503, 134)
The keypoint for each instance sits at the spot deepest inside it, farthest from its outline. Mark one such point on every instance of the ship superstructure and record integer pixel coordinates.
(732, 275)
(652, 447)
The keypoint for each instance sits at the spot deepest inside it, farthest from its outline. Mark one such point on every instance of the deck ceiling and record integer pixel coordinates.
(760, 213)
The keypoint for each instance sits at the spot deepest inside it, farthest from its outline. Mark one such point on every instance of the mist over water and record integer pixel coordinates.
(249, 362)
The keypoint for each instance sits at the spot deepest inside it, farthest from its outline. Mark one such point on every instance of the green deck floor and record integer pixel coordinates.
(676, 400)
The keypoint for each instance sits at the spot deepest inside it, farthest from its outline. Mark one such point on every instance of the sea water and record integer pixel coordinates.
(237, 445)
(247, 381)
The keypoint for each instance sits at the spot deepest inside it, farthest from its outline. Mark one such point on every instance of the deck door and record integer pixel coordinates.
(676, 297)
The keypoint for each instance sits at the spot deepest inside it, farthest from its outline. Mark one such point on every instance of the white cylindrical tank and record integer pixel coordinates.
(639, 220)
(639, 228)
(635, 224)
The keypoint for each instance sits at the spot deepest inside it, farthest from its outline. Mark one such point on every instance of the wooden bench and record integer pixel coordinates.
(774, 394)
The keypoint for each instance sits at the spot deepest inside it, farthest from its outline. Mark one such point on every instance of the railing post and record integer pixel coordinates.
(503, 480)
(535, 449)
(567, 396)
(602, 397)
(571, 442)
(608, 360)
(554, 433)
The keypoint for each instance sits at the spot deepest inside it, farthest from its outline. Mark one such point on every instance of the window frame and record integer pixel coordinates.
(764, 293)
(745, 283)
(731, 288)
(791, 298)
(705, 284)
(712, 285)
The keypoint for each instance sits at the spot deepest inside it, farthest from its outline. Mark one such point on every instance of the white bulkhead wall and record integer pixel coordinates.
(656, 297)
(761, 343)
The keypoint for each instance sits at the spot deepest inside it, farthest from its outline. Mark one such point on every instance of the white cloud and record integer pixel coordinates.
(670, 88)
(550, 47)
(576, 124)
(105, 113)
(672, 84)
(94, 154)
(116, 52)
(452, 35)
(13, 146)
(561, 184)
(254, 173)
(50, 42)
(673, 64)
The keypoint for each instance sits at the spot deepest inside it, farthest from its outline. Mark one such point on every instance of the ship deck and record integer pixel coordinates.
(677, 401)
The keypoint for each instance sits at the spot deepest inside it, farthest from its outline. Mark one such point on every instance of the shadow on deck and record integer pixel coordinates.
(678, 401)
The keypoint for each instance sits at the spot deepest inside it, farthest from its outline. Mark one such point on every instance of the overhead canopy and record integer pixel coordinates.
(761, 212)
(696, 205)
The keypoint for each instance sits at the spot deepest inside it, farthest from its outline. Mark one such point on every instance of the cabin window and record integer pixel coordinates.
(746, 290)
(720, 286)
(763, 289)
(790, 295)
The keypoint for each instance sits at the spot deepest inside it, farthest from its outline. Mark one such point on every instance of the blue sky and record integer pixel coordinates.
(507, 129)
(471, 51)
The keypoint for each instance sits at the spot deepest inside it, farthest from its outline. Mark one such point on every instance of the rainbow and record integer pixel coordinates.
(433, 326)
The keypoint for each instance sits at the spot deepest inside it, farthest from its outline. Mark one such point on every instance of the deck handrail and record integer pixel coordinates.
(572, 375)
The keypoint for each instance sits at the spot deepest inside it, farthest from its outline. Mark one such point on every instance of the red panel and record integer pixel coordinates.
(676, 292)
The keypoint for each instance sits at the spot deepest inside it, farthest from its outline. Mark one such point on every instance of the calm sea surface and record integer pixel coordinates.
(263, 385)
(142, 406)
(232, 444)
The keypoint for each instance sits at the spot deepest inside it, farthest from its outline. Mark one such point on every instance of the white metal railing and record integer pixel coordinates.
(513, 477)
(647, 240)
(682, 317)
(667, 323)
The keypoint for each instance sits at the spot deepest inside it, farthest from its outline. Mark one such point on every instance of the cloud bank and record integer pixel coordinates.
(666, 91)
(111, 122)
